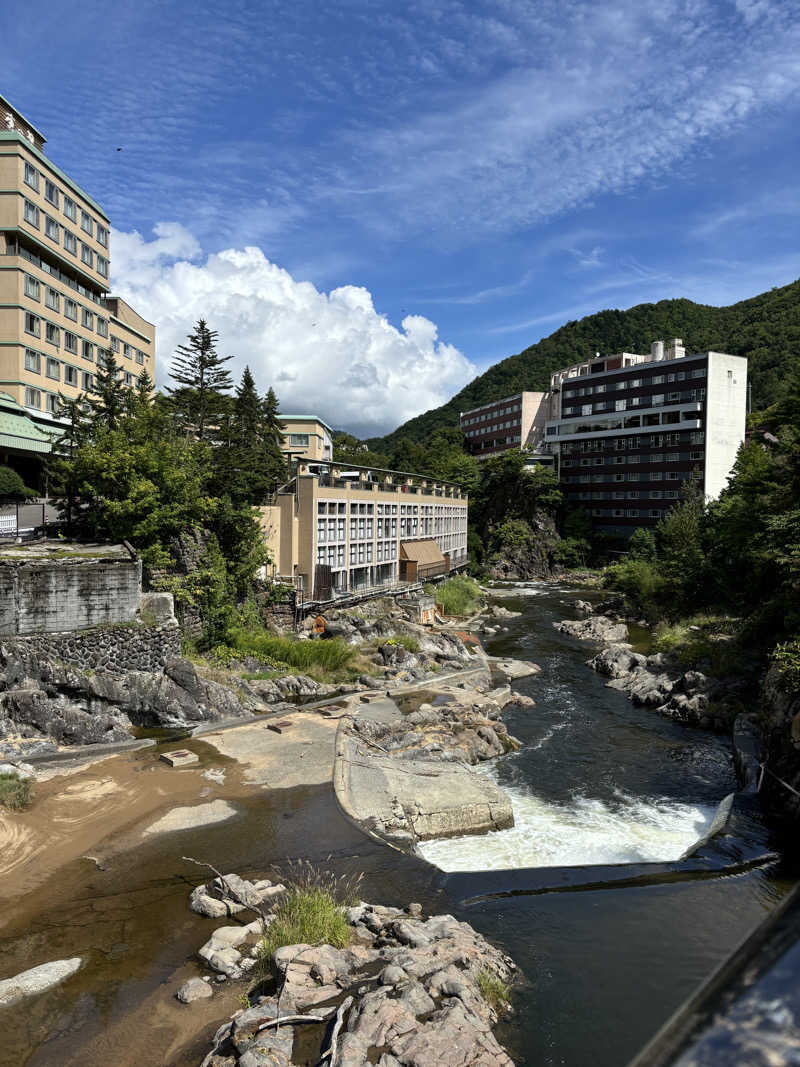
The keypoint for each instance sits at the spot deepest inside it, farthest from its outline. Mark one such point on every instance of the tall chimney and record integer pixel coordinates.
(657, 350)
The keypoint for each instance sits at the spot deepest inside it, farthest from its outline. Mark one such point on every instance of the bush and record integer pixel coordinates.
(571, 552)
(11, 484)
(787, 658)
(15, 792)
(640, 583)
(511, 534)
(458, 596)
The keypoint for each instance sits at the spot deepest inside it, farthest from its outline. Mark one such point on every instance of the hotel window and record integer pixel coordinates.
(299, 439)
(320, 556)
(52, 334)
(70, 242)
(88, 350)
(672, 476)
(52, 299)
(33, 398)
(321, 529)
(656, 476)
(102, 235)
(51, 192)
(352, 553)
(70, 375)
(53, 403)
(128, 378)
(70, 209)
(54, 369)
(673, 457)
(127, 351)
(52, 229)
(87, 224)
(695, 455)
(31, 287)
(33, 361)
(102, 326)
(87, 319)
(655, 513)
(655, 494)
(87, 255)
(32, 176)
(33, 324)
(31, 214)
(139, 355)
(340, 555)
(102, 265)
(70, 342)
(88, 382)
(115, 344)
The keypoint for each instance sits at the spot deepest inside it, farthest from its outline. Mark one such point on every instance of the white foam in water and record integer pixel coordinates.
(631, 830)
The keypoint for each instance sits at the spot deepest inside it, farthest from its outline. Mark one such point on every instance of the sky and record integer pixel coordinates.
(371, 201)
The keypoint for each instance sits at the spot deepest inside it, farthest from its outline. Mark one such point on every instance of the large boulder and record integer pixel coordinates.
(598, 628)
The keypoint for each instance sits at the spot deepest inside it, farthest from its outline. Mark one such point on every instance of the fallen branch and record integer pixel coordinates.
(337, 1026)
(229, 889)
(291, 1019)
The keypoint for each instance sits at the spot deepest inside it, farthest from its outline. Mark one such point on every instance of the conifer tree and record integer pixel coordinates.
(200, 402)
(252, 463)
(274, 457)
(108, 400)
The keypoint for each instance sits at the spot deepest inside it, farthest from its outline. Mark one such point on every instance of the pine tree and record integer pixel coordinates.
(200, 402)
(251, 464)
(272, 441)
(108, 400)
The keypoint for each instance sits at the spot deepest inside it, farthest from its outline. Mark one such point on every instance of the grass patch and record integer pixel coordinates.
(306, 916)
(458, 596)
(493, 989)
(332, 655)
(702, 640)
(312, 911)
(410, 644)
(15, 792)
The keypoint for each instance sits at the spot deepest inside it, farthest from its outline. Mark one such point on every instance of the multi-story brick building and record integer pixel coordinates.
(629, 430)
(515, 422)
(56, 314)
(336, 529)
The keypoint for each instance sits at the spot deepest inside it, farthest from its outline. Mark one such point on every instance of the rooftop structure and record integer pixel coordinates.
(56, 313)
(306, 437)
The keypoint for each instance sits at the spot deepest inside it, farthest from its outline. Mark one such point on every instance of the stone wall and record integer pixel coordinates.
(39, 595)
(114, 648)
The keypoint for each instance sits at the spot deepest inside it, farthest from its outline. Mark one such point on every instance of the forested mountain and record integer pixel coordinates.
(765, 328)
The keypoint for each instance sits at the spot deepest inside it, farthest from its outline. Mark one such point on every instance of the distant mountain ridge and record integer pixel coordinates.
(765, 328)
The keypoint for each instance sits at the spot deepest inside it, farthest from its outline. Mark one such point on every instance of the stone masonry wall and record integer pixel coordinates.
(56, 595)
(115, 648)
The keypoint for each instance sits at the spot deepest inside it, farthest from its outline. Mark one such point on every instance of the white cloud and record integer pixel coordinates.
(330, 354)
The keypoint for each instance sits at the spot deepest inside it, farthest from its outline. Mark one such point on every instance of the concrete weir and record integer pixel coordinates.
(402, 801)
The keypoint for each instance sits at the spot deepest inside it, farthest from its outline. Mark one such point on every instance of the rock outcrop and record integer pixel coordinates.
(600, 628)
(779, 716)
(533, 557)
(408, 991)
(406, 778)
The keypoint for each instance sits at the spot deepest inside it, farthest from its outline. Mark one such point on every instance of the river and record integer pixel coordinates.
(603, 963)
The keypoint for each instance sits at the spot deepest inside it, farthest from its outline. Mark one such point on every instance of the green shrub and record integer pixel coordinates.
(458, 596)
(15, 792)
(640, 583)
(493, 989)
(11, 484)
(571, 552)
(511, 534)
(787, 657)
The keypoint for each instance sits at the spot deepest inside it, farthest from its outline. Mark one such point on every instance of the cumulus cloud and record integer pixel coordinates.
(331, 354)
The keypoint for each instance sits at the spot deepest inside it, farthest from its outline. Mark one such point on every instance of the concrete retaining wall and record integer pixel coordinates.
(39, 595)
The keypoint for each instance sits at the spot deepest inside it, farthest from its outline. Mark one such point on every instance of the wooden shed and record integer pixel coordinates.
(420, 560)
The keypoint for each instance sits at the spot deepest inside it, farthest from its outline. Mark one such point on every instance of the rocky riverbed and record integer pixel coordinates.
(404, 990)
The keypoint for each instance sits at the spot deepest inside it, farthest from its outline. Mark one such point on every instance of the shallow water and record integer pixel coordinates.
(598, 781)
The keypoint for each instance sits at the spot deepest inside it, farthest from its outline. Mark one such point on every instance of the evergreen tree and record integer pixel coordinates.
(273, 439)
(108, 399)
(200, 402)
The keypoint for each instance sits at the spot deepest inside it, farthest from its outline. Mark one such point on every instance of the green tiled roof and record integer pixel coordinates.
(18, 431)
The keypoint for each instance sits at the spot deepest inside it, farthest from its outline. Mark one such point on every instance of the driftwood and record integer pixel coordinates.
(337, 1026)
(229, 889)
(291, 1019)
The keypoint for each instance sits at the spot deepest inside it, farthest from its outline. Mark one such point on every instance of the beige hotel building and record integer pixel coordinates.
(337, 530)
(56, 313)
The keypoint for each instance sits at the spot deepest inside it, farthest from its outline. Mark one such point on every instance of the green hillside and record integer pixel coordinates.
(765, 328)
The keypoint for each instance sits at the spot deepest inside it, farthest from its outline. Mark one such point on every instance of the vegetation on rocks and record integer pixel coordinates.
(15, 792)
(459, 595)
(495, 991)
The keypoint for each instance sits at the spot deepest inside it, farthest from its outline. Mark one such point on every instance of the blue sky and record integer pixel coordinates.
(374, 201)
